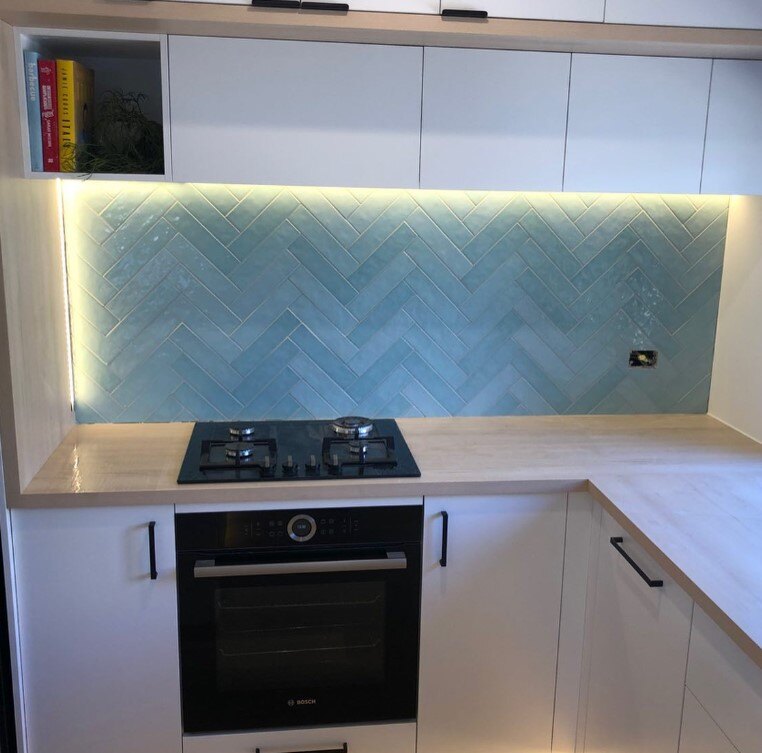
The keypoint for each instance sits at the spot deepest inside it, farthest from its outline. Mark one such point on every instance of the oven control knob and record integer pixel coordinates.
(312, 464)
(301, 527)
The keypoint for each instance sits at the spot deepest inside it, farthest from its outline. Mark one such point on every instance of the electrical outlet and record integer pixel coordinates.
(643, 359)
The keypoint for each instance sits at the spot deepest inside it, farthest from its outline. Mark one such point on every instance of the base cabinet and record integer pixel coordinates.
(372, 738)
(637, 646)
(700, 733)
(490, 622)
(98, 634)
(727, 684)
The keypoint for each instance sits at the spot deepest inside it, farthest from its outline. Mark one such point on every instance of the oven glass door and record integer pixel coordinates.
(328, 636)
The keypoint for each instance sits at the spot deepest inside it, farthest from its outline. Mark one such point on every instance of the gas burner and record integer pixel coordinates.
(239, 450)
(242, 433)
(376, 452)
(354, 427)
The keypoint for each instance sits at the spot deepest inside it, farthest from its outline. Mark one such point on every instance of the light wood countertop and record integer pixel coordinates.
(117, 464)
(687, 487)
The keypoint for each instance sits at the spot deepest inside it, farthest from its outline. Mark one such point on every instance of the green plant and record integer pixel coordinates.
(124, 139)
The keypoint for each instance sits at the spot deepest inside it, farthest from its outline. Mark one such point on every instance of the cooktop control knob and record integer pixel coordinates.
(301, 527)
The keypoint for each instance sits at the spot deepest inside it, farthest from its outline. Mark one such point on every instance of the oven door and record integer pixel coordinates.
(292, 638)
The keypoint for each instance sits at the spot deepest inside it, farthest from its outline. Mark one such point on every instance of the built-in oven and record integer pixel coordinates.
(298, 618)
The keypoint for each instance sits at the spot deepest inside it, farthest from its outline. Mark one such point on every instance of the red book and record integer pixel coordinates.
(49, 114)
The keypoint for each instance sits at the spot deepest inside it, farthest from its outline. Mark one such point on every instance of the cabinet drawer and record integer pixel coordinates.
(375, 738)
(726, 683)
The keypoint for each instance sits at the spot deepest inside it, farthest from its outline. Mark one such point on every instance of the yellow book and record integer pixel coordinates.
(75, 110)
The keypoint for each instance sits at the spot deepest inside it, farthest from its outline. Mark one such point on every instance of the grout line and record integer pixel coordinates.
(706, 128)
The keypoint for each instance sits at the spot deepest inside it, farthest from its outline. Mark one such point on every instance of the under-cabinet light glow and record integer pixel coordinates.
(67, 305)
(226, 301)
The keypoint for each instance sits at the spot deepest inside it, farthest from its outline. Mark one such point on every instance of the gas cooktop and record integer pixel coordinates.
(349, 447)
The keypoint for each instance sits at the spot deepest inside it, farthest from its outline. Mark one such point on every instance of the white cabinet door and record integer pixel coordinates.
(490, 621)
(636, 124)
(637, 638)
(734, 129)
(372, 738)
(726, 682)
(740, 14)
(494, 119)
(98, 636)
(295, 113)
(558, 10)
(700, 733)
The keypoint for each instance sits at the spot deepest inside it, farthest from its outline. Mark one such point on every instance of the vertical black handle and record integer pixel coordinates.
(445, 523)
(152, 549)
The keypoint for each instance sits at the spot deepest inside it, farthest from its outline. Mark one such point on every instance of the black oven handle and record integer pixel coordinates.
(209, 568)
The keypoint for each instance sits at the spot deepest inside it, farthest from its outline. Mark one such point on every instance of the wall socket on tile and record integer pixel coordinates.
(643, 359)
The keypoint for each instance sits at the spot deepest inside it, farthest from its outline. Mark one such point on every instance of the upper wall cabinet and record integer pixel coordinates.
(558, 10)
(734, 129)
(396, 6)
(636, 124)
(298, 113)
(494, 119)
(739, 14)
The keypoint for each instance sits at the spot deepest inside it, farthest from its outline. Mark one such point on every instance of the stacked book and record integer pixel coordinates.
(60, 102)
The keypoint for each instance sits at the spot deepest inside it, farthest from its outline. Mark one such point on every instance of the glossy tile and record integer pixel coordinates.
(223, 302)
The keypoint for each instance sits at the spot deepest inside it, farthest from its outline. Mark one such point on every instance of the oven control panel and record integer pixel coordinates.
(287, 528)
(300, 526)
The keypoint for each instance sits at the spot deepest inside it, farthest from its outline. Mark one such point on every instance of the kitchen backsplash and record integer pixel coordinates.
(221, 302)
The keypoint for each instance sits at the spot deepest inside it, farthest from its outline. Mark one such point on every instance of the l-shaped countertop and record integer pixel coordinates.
(688, 488)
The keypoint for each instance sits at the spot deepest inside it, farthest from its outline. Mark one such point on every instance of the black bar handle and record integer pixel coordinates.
(152, 549)
(343, 749)
(311, 5)
(616, 542)
(445, 525)
(276, 4)
(463, 13)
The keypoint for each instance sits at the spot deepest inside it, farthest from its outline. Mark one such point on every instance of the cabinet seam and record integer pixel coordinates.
(706, 127)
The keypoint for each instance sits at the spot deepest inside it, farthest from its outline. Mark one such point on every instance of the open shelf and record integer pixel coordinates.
(130, 62)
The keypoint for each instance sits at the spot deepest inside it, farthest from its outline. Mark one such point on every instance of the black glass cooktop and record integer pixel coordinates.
(350, 447)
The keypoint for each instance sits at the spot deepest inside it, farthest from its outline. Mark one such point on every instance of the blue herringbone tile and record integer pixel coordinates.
(265, 372)
(220, 302)
(390, 248)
